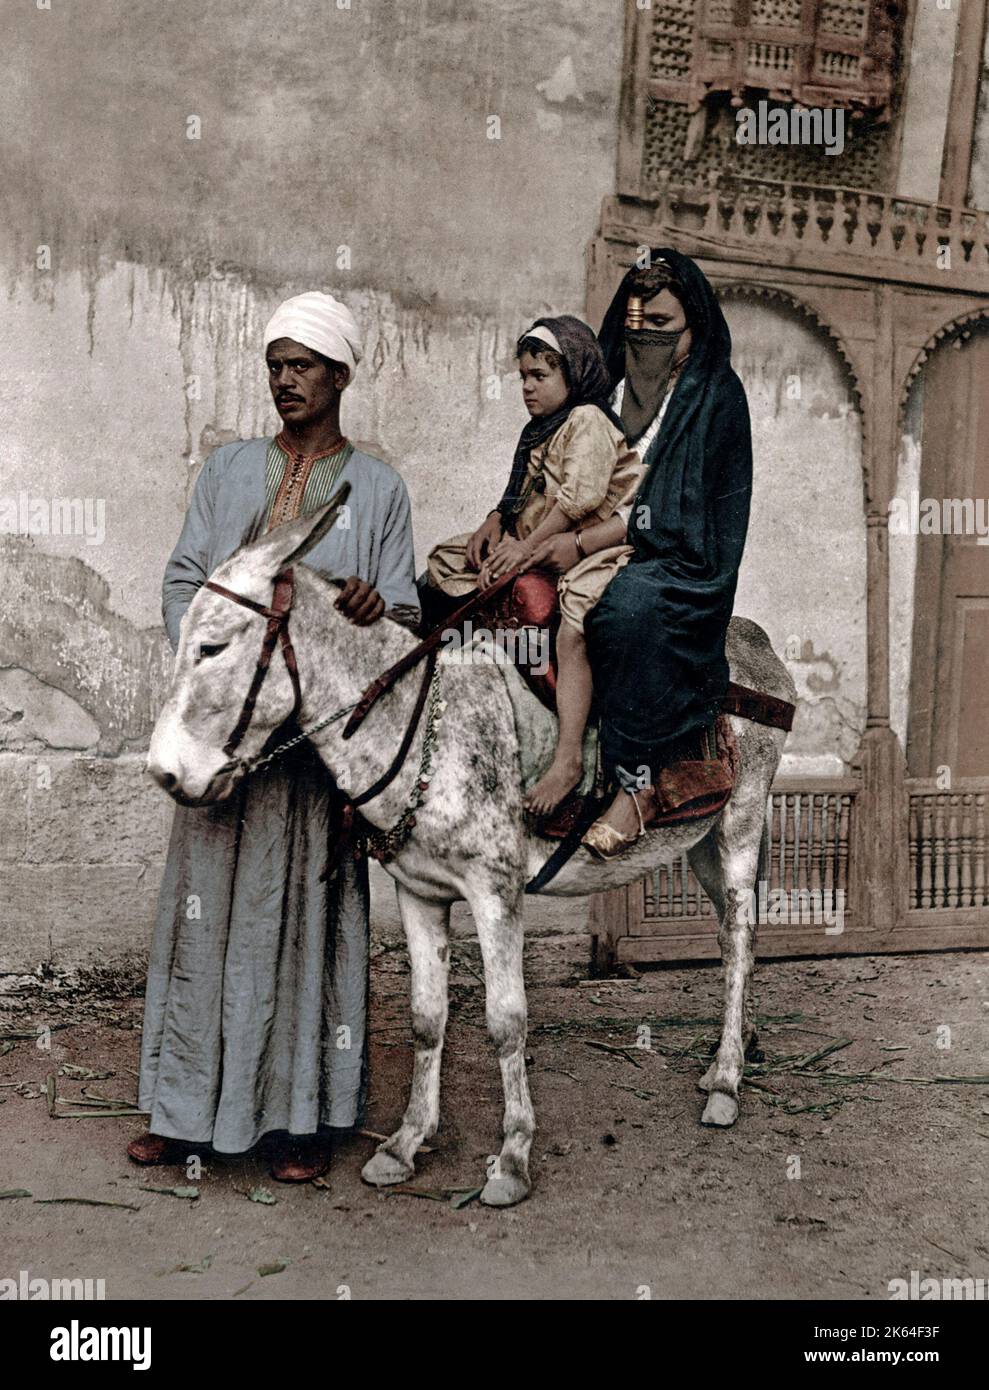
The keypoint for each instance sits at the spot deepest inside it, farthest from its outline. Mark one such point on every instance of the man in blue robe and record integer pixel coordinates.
(255, 1018)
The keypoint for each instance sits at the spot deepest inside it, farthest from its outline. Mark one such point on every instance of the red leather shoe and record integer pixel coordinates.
(301, 1158)
(151, 1148)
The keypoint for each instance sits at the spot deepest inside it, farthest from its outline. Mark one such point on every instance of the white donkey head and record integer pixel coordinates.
(227, 698)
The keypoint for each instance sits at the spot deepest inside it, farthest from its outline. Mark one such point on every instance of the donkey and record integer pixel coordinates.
(458, 798)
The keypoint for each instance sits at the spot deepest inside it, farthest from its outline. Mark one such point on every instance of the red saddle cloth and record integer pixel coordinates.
(531, 602)
(697, 784)
(694, 787)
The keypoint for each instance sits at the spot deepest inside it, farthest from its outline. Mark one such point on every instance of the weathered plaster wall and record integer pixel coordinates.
(345, 148)
(320, 127)
(136, 351)
(803, 576)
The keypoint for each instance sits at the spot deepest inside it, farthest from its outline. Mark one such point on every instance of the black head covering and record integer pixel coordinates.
(656, 638)
(706, 387)
(587, 376)
(692, 287)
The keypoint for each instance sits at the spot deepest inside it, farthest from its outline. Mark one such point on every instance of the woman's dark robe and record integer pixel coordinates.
(656, 640)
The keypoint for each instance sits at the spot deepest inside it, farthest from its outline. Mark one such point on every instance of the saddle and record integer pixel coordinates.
(530, 603)
(698, 779)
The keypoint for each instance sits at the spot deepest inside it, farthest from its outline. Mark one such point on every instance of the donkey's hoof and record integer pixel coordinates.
(383, 1169)
(504, 1192)
(721, 1110)
(707, 1080)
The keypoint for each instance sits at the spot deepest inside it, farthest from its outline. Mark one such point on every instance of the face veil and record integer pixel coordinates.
(649, 355)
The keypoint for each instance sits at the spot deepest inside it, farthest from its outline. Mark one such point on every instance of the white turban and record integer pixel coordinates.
(321, 323)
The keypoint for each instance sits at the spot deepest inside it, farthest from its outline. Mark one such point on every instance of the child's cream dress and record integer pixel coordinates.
(589, 471)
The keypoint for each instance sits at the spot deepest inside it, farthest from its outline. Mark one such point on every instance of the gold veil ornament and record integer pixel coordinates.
(635, 308)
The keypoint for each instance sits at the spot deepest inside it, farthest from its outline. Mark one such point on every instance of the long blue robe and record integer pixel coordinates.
(255, 1017)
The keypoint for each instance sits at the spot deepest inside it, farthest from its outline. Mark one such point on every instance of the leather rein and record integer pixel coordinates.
(277, 633)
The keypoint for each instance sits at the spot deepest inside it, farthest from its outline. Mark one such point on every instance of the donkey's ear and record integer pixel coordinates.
(300, 536)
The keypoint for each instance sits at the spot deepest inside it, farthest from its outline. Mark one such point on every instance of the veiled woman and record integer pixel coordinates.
(656, 639)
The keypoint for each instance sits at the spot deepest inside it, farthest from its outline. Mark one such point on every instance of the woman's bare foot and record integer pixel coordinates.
(300, 1158)
(622, 816)
(562, 775)
(149, 1149)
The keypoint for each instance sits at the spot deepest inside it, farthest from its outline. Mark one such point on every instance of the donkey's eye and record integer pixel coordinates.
(206, 649)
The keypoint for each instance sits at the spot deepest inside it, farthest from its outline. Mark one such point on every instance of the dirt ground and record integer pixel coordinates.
(632, 1198)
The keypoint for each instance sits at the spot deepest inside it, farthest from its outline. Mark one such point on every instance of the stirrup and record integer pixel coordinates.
(607, 842)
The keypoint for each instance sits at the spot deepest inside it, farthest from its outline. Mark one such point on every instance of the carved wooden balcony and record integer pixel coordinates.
(846, 231)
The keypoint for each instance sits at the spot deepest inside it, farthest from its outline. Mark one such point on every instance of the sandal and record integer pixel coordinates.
(607, 842)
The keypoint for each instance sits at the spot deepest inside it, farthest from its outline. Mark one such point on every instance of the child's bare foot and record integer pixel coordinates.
(562, 775)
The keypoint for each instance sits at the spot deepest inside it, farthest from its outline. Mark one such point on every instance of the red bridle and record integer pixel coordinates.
(276, 631)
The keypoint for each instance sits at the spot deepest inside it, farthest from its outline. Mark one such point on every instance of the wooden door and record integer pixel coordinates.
(949, 684)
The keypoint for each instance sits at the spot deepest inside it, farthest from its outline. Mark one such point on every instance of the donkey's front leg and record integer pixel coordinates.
(500, 932)
(426, 930)
(738, 840)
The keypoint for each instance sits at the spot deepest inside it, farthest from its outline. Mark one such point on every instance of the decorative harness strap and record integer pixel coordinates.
(354, 803)
(758, 707)
(276, 631)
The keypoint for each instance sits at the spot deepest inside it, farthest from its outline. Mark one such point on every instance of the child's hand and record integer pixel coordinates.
(486, 577)
(508, 554)
(556, 553)
(488, 534)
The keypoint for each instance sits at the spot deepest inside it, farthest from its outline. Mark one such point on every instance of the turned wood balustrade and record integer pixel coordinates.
(948, 845)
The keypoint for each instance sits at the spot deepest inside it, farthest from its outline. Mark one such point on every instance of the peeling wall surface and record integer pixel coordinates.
(803, 575)
(338, 148)
(342, 147)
